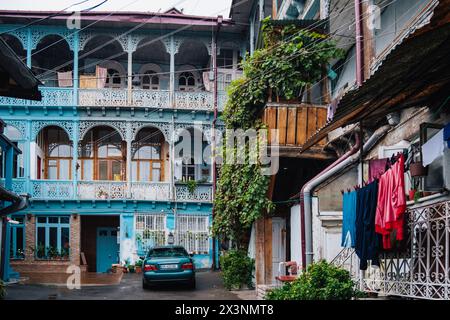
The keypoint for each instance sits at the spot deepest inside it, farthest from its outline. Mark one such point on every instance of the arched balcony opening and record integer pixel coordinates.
(16, 137)
(149, 153)
(191, 61)
(52, 62)
(103, 64)
(53, 151)
(192, 156)
(151, 65)
(15, 44)
(102, 155)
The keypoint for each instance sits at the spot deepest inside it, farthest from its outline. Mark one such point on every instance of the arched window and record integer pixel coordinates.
(102, 155)
(13, 134)
(113, 80)
(55, 148)
(147, 152)
(150, 81)
(186, 81)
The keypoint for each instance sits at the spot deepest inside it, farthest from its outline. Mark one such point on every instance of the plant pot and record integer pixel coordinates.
(417, 169)
(411, 194)
(138, 270)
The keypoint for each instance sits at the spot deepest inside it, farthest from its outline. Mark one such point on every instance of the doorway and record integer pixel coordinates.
(99, 241)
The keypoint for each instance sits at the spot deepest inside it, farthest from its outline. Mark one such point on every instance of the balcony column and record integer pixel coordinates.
(75, 158)
(27, 157)
(76, 44)
(29, 48)
(172, 72)
(130, 70)
(129, 139)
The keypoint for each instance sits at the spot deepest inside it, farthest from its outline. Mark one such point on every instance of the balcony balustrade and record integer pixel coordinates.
(200, 100)
(422, 269)
(51, 189)
(110, 190)
(202, 192)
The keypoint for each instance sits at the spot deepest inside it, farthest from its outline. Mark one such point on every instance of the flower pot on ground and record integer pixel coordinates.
(411, 194)
(131, 269)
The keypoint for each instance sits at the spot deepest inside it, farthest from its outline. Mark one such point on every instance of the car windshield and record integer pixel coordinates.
(167, 252)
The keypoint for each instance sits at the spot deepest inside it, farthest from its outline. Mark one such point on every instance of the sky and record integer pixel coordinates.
(195, 7)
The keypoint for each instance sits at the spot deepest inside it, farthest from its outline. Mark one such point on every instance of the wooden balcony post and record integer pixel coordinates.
(130, 71)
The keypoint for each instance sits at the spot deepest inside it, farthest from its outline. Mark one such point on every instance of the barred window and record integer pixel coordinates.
(192, 233)
(150, 231)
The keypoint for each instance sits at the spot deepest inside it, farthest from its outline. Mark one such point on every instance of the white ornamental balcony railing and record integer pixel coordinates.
(150, 191)
(202, 192)
(102, 190)
(102, 97)
(422, 269)
(50, 97)
(201, 100)
(52, 189)
(151, 98)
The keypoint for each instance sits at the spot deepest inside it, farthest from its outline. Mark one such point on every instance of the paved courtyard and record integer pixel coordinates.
(209, 287)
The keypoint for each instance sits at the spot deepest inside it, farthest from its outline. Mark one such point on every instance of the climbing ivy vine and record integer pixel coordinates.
(290, 59)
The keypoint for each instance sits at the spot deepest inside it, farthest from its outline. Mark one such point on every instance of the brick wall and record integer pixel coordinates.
(31, 264)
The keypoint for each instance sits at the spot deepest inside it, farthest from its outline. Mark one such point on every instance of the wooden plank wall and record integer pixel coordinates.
(296, 124)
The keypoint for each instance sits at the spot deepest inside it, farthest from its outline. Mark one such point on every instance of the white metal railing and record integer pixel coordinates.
(102, 97)
(150, 230)
(150, 190)
(102, 190)
(200, 100)
(150, 98)
(422, 269)
(202, 192)
(192, 233)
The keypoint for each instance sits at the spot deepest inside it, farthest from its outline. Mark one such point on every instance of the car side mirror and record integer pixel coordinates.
(191, 255)
(142, 257)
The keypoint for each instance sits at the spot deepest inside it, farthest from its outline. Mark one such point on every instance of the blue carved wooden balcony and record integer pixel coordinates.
(50, 97)
(111, 190)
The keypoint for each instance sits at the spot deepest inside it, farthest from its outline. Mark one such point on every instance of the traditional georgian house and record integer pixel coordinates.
(98, 152)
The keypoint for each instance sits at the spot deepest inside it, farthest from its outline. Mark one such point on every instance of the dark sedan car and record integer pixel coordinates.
(168, 264)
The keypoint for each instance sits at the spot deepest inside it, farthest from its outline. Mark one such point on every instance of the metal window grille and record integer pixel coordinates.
(150, 231)
(192, 233)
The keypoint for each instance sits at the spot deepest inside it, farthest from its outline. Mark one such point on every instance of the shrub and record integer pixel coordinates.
(321, 281)
(237, 269)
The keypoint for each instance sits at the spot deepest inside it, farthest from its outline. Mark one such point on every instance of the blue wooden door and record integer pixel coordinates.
(107, 248)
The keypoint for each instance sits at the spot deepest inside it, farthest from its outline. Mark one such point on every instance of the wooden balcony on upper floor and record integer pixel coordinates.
(295, 124)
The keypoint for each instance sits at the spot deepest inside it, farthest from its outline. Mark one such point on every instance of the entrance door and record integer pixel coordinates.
(278, 245)
(107, 248)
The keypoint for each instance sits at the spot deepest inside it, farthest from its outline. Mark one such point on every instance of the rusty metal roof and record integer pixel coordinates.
(415, 73)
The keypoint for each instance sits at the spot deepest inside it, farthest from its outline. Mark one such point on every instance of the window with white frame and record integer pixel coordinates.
(192, 233)
(150, 231)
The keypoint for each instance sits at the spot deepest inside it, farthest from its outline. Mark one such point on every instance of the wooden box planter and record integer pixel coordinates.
(417, 169)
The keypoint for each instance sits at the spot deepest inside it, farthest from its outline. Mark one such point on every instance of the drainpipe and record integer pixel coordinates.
(307, 191)
(213, 138)
(359, 43)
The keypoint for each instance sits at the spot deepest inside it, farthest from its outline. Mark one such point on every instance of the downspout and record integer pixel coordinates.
(359, 43)
(213, 138)
(307, 191)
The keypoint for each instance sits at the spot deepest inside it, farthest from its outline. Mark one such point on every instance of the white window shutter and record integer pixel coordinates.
(178, 172)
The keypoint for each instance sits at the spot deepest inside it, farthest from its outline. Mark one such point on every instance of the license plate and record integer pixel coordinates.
(168, 266)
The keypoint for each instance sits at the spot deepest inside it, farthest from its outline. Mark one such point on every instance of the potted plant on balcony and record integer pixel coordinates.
(102, 194)
(191, 186)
